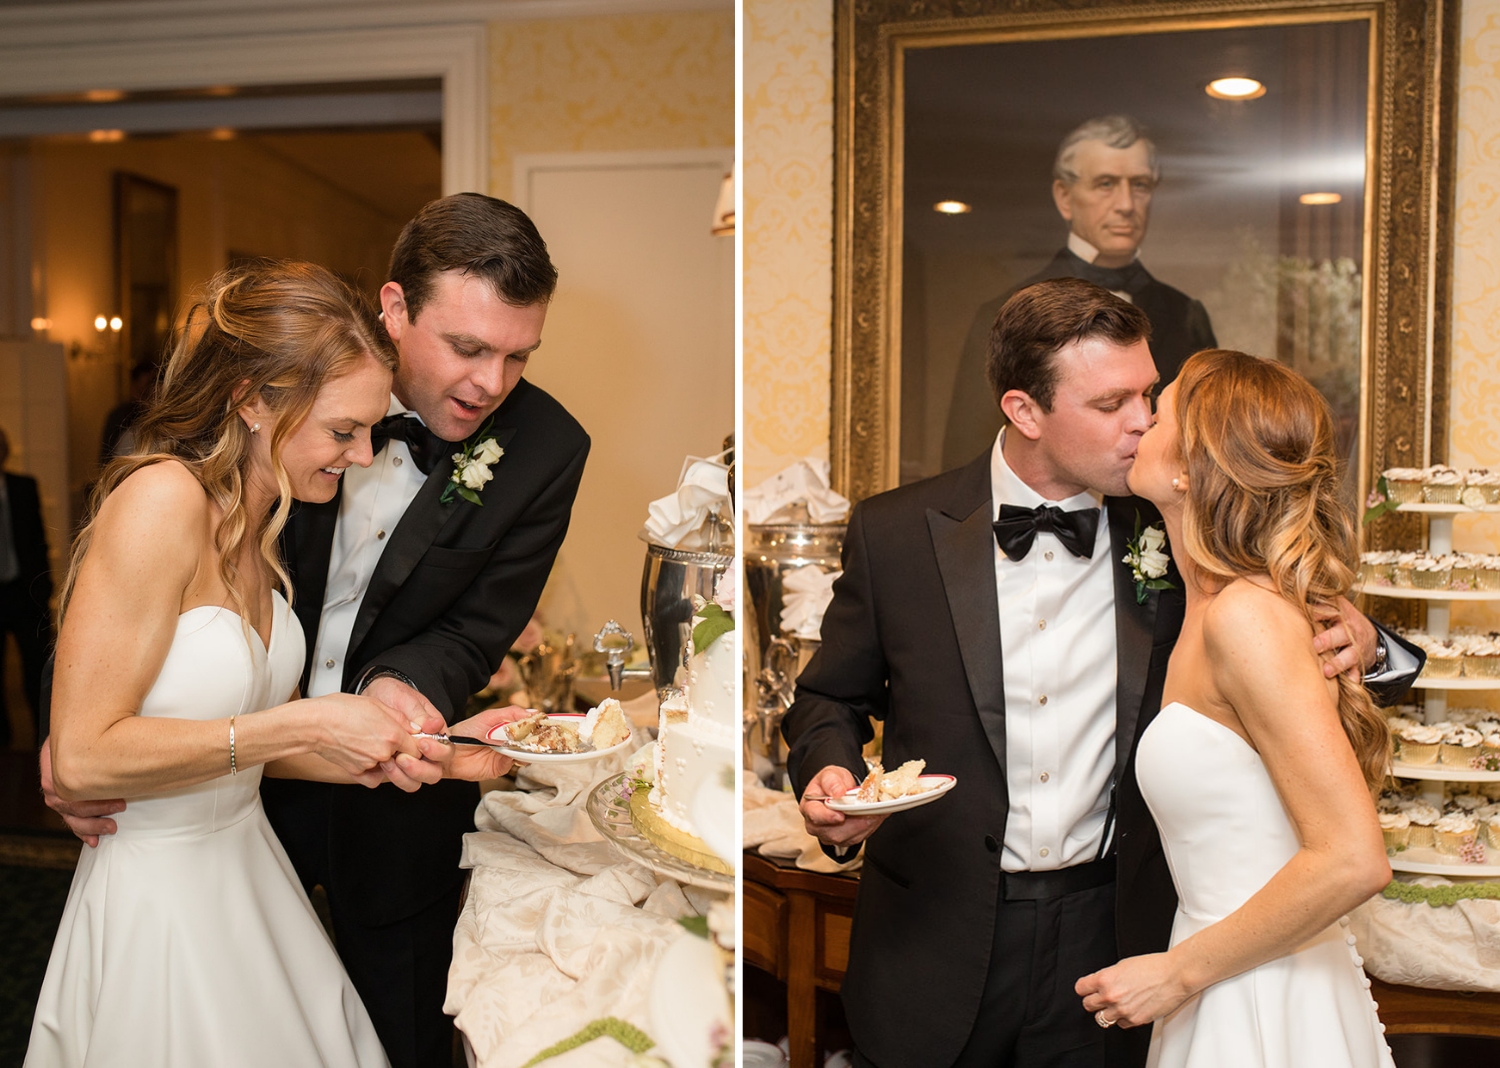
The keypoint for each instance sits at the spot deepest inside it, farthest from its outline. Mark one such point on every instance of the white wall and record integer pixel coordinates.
(639, 345)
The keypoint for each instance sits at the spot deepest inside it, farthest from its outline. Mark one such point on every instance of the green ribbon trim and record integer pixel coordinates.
(1440, 896)
(627, 1035)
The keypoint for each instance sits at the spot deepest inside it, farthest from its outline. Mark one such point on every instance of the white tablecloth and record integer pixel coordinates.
(558, 929)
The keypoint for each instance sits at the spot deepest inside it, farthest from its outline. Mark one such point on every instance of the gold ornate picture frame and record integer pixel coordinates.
(1404, 305)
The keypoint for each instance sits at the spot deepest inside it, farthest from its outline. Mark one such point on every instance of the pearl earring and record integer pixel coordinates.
(256, 430)
(1174, 484)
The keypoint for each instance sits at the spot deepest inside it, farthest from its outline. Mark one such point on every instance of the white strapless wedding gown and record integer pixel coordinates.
(1226, 834)
(187, 940)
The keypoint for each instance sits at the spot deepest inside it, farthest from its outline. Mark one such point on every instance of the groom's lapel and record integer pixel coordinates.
(963, 539)
(1135, 625)
(420, 524)
(308, 541)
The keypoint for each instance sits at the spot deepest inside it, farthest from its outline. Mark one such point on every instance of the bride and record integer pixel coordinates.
(187, 939)
(1258, 770)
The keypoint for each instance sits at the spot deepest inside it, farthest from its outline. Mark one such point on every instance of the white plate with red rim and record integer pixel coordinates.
(933, 787)
(500, 742)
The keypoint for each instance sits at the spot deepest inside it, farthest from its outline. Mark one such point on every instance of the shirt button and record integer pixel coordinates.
(1042, 625)
(1043, 851)
(395, 461)
(1047, 554)
(1044, 699)
(380, 535)
(991, 844)
(328, 662)
(1046, 775)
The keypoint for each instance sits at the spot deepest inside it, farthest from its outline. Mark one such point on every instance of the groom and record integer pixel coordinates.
(976, 914)
(411, 593)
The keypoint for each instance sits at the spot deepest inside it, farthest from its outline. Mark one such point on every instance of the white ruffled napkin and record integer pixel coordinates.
(681, 519)
(805, 594)
(804, 482)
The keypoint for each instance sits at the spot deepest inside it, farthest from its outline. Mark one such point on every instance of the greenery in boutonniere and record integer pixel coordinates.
(1148, 559)
(471, 467)
(1379, 502)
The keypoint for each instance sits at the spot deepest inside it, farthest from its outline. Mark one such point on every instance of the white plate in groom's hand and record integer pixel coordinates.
(933, 787)
(501, 743)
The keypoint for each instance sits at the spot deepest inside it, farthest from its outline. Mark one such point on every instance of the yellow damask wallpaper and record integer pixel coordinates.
(609, 84)
(787, 169)
(1475, 400)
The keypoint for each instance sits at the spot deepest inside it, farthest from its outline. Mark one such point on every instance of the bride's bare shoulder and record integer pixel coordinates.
(1247, 613)
(161, 502)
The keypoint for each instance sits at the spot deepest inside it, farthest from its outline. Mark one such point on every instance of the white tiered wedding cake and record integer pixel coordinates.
(697, 737)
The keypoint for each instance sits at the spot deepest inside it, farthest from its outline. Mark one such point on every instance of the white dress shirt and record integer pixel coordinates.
(374, 500)
(1058, 651)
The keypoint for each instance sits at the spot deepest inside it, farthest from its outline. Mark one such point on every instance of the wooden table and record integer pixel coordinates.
(796, 928)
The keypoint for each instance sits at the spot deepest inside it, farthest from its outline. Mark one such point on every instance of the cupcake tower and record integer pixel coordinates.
(1444, 816)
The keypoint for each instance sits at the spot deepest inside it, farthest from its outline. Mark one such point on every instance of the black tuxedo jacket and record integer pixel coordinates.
(33, 581)
(912, 637)
(1179, 328)
(454, 587)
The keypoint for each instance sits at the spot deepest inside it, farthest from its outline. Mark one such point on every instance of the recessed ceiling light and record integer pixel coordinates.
(106, 135)
(1320, 198)
(952, 207)
(1235, 88)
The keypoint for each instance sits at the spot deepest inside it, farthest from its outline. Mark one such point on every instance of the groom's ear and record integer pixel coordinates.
(393, 305)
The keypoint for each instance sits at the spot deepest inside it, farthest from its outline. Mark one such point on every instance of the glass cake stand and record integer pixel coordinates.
(610, 814)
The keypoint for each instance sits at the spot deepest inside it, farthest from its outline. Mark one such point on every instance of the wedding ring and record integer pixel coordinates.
(1103, 1020)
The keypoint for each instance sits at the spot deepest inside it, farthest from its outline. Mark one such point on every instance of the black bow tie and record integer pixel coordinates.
(1017, 528)
(426, 447)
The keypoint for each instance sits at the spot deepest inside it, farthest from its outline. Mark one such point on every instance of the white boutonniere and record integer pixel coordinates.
(1148, 559)
(471, 467)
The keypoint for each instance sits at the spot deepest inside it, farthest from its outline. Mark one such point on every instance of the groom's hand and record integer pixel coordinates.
(87, 819)
(418, 714)
(827, 825)
(473, 762)
(1347, 642)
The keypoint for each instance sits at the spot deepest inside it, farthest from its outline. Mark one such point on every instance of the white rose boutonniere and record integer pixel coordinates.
(1148, 559)
(471, 467)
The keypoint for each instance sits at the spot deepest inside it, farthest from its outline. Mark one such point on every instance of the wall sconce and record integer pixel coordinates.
(113, 324)
(723, 225)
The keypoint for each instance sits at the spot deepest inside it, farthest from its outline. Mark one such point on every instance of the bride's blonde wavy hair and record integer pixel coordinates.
(281, 330)
(1263, 498)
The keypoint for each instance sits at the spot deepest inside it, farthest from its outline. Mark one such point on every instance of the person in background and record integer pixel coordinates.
(25, 588)
(1103, 181)
(119, 425)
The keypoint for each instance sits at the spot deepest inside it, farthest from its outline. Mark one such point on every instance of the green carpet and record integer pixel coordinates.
(31, 904)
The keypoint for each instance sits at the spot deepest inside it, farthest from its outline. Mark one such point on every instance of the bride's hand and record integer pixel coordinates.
(362, 734)
(473, 762)
(1133, 992)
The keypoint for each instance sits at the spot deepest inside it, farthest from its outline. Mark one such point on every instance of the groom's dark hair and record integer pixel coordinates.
(1044, 317)
(478, 235)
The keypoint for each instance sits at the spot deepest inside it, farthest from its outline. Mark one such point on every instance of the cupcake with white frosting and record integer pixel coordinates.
(1444, 659)
(1487, 482)
(1395, 827)
(1452, 829)
(1402, 569)
(1420, 743)
(1432, 572)
(1405, 484)
(1459, 746)
(1423, 816)
(1441, 484)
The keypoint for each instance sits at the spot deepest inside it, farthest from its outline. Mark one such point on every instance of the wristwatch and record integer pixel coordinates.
(1378, 668)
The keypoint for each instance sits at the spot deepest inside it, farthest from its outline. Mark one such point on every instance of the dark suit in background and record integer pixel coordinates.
(1179, 328)
(25, 592)
(454, 586)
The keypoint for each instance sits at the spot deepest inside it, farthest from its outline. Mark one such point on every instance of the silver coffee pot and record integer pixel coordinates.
(670, 581)
(777, 656)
